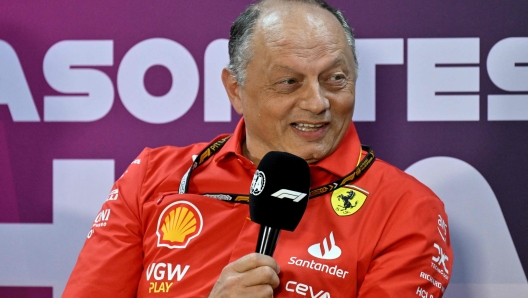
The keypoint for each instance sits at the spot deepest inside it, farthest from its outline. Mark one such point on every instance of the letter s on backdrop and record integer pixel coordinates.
(95, 85)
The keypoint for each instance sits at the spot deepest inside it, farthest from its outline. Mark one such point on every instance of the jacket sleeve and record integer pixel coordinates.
(413, 257)
(110, 263)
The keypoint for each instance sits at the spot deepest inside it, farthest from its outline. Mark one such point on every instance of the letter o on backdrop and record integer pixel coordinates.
(185, 80)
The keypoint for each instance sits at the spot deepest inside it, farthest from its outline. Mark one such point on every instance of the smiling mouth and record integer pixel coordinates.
(306, 126)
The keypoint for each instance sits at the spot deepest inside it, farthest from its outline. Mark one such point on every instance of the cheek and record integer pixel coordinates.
(351, 106)
(272, 110)
(343, 107)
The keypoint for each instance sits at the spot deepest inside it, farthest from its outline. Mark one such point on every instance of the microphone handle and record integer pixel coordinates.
(267, 240)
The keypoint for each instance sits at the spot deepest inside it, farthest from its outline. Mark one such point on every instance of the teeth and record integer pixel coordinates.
(307, 127)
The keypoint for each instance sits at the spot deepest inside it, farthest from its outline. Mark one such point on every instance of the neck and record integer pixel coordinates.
(245, 151)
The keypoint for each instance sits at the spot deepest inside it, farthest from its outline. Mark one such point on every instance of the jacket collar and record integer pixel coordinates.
(340, 163)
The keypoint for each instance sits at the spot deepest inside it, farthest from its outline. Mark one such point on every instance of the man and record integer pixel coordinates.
(177, 228)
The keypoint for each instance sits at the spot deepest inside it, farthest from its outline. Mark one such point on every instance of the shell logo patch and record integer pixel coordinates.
(348, 199)
(178, 223)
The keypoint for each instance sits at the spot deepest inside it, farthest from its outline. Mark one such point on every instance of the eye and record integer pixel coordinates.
(337, 80)
(288, 81)
(338, 77)
(287, 85)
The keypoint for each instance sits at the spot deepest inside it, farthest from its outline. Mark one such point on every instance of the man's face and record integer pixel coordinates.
(298, 95)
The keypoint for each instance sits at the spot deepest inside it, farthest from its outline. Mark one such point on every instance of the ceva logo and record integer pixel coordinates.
(178, 223)
(326, 250)
(302, 289)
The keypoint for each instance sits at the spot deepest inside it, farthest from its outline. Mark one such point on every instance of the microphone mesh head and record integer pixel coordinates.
(279, 191)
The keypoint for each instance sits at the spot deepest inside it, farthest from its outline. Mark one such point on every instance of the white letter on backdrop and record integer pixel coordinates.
(43, 254)
(508, 69)
(14, 89)
(372, 52)
(426, 78)
(95, 85)
(185, 80)
(217, 107)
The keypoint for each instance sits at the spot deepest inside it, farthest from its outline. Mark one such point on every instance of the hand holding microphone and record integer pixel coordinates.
(278, 198)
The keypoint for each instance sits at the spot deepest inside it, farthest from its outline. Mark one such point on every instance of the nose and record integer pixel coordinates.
(313, 99)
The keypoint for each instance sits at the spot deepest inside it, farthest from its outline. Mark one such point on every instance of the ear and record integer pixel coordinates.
(233, 90)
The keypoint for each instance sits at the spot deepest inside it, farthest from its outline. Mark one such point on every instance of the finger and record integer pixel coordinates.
(263, 275)
(257, 291)
(255, 260)
(260, 291)
(255, 283)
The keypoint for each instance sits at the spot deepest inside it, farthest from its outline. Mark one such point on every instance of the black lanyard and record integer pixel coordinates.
(213, 148)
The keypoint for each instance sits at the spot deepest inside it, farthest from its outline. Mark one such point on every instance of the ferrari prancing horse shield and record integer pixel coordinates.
(348, 199)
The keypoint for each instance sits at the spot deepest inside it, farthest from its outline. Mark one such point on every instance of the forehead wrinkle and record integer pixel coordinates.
(288, 30)
(296, 42)
(323, 53)
(280, 24)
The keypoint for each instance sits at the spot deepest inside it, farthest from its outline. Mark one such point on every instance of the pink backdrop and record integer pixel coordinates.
(57, 160)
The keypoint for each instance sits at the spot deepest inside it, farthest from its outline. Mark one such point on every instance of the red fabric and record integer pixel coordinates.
(390, 246)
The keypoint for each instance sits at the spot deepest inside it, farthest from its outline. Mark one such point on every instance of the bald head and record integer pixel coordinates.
(270, 15)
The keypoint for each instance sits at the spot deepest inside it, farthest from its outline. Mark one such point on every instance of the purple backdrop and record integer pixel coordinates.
(497, 149)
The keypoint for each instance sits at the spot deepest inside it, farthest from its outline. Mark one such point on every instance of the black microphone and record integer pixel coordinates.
(278, 196)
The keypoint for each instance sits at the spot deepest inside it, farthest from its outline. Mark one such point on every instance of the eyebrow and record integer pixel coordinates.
(337, 61)
(281, 68)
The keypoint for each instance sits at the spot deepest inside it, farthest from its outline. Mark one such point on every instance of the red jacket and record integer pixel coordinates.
(383, 235)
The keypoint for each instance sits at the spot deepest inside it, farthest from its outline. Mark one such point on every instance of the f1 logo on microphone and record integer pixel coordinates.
(289, 194)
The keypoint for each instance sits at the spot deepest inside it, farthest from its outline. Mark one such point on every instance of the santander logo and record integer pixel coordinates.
(327, 250)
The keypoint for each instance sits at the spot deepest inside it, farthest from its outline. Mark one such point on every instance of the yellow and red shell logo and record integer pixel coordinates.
(178, 223)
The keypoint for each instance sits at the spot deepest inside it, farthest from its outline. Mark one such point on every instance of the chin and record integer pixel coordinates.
(311, 157)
